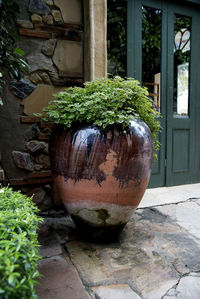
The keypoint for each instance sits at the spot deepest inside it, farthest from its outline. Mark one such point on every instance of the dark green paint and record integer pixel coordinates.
(179, 157)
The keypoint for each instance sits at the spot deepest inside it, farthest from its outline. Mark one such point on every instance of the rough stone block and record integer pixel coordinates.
(43, 160)
(49, 2)
(38, 61)
(35, 146)
(30, 46)
(71, 10)
(60, 226)
(35, 78)
(32, 132)
(21, 88)
(68, 57)
(35, 18)
(38, 167)
(45, 78)
(38, 6)
(57, 16)
(55, 78)
(23, 160)
(41, 199)
(48, 19)
(48, 47)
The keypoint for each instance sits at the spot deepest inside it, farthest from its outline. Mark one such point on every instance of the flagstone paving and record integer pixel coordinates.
(157, 256)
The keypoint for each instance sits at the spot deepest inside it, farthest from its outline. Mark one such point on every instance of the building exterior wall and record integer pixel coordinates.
(58, 51)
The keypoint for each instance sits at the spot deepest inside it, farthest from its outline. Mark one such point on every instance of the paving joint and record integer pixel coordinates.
(174, 287)
(86, 286)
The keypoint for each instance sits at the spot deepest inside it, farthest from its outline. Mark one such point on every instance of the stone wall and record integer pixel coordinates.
(51, 35)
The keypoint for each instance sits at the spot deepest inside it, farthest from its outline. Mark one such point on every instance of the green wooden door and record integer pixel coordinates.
(163, 54)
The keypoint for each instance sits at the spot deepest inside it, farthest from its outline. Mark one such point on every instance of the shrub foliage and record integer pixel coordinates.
(102, 103)
(18, 245)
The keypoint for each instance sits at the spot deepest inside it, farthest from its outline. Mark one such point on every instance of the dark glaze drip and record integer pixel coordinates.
(78, 154)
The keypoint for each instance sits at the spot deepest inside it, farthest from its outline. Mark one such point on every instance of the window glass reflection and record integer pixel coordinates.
(151, 53)
(182, 29)
(116, 37)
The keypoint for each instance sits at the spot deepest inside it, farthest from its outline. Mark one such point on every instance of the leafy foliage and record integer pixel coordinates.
(18, 245)
(11, 57)
(103, 103)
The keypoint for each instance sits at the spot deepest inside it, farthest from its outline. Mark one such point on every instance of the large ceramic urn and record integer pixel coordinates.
(101, 176)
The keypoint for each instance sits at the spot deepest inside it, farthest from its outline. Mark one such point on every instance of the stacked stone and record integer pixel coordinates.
(36, 162)
(37, 157)
(57, 58)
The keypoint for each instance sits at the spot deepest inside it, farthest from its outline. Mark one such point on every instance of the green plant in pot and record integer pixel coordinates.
(101, 152)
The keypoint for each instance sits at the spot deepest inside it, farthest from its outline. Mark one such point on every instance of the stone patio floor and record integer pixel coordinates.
(157, 254)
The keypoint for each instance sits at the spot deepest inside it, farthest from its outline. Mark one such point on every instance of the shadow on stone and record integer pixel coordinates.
(96, 234)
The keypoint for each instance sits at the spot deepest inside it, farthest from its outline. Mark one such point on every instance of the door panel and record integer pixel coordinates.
(173, 83)
(154, 73)
(180, 158)
(180, 107)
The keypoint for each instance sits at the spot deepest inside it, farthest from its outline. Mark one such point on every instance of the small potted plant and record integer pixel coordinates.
(101, 151)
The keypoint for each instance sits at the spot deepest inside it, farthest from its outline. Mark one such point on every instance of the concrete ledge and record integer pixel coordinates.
(167, 195)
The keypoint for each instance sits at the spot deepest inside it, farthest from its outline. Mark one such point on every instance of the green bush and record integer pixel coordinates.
(18, 245)
(102, 103)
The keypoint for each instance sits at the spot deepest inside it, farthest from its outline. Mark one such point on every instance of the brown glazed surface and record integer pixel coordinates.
(111, 168)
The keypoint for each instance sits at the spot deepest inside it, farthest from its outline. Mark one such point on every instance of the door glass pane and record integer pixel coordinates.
(182, 30)
(151, 53)
(116, 37)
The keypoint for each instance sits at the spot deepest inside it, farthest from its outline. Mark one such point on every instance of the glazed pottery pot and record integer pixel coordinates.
(101, 176)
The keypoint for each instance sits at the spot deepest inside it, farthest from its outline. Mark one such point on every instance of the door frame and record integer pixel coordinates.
(134, 69)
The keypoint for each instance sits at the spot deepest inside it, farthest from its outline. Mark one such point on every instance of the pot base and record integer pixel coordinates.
(97, 234)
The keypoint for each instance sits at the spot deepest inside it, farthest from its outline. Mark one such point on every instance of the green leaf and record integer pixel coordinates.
(18, 244)
(18, 51)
